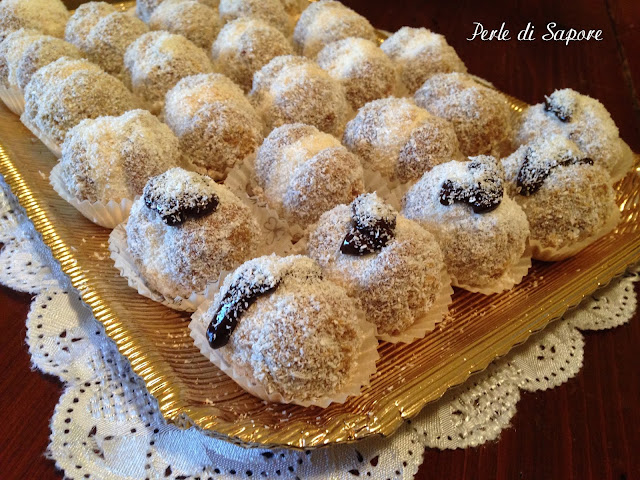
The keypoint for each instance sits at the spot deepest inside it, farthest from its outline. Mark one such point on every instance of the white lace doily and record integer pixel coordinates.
(107, 426)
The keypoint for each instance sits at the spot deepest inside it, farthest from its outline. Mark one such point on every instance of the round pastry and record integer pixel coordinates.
(145, 8)
(292, 89)
(156, 61)
(480, 115)
(42, 50)
(391, 264)
(246, 45)
(420, 53)
(111, 158)
(293, 7)
(400, 140)
(66, 91)
(185, 230)
(363, 69)
(569, 201)
(195, 21)
(326, 21)
(482, 232)
(585, 121)
(109, 39)
(304, 172)
(216, 124)
(83, 20)
(46, 16)
(11, 50)
(269, 11)
(285, 334)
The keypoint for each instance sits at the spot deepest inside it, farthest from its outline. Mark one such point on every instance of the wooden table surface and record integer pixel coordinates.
(587, 428)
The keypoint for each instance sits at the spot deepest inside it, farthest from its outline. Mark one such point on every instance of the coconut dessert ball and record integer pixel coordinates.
(400, 140)
(111, 158)
(326, 21)
(67, 91)
(480, 115)
(46, 16)
(305, 172)
(269, 11)
(246, 45)
(482, 232)
(11, 50)
(145, 8)
(288, 334)
(293, 7)
(363, 69)
(568, 198)
(391, 264)
(185, 230)
(156, 61)
(42, 50)
(419, 54)
(585, 121)
(292, 89)
(216, 124)
(195, 21)
(84, 19)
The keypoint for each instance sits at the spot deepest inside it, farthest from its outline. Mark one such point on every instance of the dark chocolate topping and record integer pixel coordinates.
(564, 111)
(373, 226)
(484, 192)
(536, 169)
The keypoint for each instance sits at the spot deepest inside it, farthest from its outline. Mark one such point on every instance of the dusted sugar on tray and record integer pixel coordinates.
(286, 334)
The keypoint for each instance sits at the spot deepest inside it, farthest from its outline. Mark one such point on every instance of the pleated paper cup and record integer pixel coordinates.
(46, 139)
(13, 99)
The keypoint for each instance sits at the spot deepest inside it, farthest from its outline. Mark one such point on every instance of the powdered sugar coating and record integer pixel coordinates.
(179, 260)
(305, 172)
(302, 339)
(111, 158)
(11, 49)
(400, 140)
(420, 53)
(246, 45)
(216, 124)
(195, 21)
(83, 20)
(478, 248)
(292, 89)
(156, 61)
(269, 11)
(66, 91)
(574, 202)
(326, 21)
(365, 71)
(42, 50)
(46, 16)
(480, 115)
(590, 127)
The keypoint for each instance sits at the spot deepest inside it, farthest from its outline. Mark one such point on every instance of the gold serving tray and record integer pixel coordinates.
(192, 391)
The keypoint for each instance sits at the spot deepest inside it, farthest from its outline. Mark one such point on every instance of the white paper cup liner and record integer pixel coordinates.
(48, 141)
(108, 215)
(624, 165)
(13, 99)
(548, 254)
(427, 322)
(364, 368)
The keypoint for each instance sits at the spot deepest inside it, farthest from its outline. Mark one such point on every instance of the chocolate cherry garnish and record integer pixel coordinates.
(535, 169)
(483, 191)
(373, 226)
(561, 104)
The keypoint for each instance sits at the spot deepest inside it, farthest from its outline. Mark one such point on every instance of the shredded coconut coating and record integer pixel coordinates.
(46, 16)
(269, 11)
(42, 51)
(179, 260)
(66, 91)
(111, 158)
(246, 45)
(216, 124)
(478, 248)
(396, 285)
(291, 89)
(145, 8)
(299, 340)
(195, 21)
(419, 54)
(574, 202)
(305, 172)
(83, 20)
(293, 7)
(591, 128)
(156, 61)
(400, 140)
(480, 115)
(363, 69)
(11, 50)
(327, 21)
